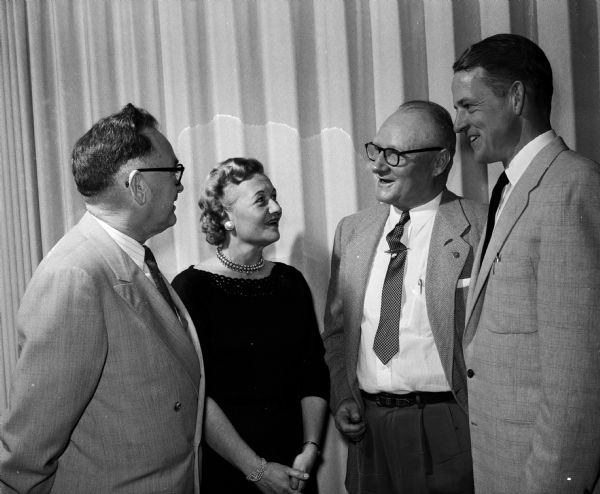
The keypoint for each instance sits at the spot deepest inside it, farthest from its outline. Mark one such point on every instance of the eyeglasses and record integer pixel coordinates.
(177, 172)
(391, 155)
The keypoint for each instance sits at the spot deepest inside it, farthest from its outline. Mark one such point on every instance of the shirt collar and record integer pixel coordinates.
(132, 247)
(524, 157)
(418, 215)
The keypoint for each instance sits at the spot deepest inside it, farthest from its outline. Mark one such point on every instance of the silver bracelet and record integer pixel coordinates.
(259, 472)
(314, 444)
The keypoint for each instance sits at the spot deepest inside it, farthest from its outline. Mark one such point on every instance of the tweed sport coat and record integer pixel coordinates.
(533, 334)
(456, 231)
(107, 395)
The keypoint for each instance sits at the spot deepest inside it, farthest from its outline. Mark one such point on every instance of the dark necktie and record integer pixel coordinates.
(494, 203)
(386, 343)
(157, 277)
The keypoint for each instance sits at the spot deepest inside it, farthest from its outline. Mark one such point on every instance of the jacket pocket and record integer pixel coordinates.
(510, 304)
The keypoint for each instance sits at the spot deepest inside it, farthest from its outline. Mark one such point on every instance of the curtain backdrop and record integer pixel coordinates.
(299, 84)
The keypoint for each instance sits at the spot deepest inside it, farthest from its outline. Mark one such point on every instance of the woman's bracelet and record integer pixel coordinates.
(314, 443)
(259, 472)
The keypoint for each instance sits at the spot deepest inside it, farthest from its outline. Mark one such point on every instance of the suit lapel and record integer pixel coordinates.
(513, 209)
(448, 253)
(140, 293)
(360, 253)
(151, 307)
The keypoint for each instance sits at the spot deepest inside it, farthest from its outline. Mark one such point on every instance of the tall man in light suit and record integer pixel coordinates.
(108, 393)
(533, 330)
(393, 338)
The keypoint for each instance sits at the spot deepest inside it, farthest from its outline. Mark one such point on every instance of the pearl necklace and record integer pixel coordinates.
(240, 268)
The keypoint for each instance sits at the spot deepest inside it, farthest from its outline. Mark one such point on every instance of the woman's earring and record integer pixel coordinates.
(228, 225)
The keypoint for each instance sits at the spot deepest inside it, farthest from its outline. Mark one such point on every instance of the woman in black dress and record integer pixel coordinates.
(257, 328)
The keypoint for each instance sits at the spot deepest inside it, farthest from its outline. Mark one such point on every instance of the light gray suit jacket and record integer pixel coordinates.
(107, 395)
(456, 231)
(533, 334)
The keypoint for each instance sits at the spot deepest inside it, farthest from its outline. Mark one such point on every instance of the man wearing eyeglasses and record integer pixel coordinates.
(395, 312)
(108, 392)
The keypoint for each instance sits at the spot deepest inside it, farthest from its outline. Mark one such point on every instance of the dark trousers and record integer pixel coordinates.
(412, 450)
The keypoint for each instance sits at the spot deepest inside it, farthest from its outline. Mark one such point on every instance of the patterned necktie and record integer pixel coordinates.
(158, 279)
(494, 203)
(387, 337)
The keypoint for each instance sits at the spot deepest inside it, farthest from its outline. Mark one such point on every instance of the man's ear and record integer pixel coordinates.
(138, 187)
(517, 97)
(442, 162)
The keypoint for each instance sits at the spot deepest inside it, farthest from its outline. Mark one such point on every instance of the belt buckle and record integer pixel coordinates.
(403, 402)
(382, 401)
(392, 402)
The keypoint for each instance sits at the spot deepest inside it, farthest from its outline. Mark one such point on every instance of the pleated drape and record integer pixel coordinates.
(299, 84)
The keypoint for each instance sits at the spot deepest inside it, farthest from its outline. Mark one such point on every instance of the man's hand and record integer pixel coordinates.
(349, 421)
(305, 462)
(277, 479)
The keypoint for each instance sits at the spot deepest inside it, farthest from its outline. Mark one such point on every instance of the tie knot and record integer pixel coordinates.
(502, 181)
(395, 236)
(404, 217)
(148, 255)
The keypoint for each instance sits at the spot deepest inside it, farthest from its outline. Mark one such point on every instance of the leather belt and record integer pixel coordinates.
(390, 400)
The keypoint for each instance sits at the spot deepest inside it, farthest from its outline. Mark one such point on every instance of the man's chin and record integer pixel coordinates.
(482, 157)
(378, 195)
(170, 222)
(384, 193)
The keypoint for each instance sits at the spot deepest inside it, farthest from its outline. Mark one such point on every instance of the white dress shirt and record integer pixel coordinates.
(417, 366)
(517, 166)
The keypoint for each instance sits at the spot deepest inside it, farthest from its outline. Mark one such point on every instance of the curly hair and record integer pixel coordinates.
(212, 205)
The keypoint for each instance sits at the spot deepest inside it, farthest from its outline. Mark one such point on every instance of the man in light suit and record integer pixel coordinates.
(108, 393)
(404, 409)
(533, 332)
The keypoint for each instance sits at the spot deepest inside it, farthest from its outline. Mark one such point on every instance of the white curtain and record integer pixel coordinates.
(299, 84)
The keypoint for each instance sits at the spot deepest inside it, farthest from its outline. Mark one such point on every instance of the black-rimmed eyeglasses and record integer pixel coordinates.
(177, 172)
(391, 155)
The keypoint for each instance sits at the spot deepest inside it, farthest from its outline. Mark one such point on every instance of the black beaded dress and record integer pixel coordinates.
(262, 354)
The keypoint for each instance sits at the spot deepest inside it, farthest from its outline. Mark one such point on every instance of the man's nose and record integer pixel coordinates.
(459, 121)
(274, 206)
(379, 164)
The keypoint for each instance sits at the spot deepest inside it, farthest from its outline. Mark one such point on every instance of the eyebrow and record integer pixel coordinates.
(263, 192)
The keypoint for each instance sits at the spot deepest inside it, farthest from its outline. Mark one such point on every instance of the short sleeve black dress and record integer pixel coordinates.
(262, 354)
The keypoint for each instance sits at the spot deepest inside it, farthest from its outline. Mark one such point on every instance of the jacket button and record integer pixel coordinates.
(177, 406)
(470, 373)
(456, 254)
